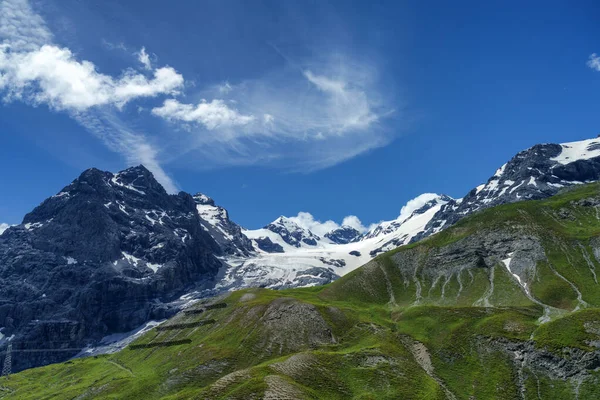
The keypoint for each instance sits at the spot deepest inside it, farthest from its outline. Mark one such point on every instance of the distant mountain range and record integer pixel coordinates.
(110, 252)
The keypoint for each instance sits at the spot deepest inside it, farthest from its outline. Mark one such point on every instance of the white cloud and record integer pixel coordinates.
(594, 62)
(21, 27)
(347, 107)
(4, 227)
(294, 118)
(354, 222)
(303, 116)
(53, 76)
(415, 204)
(213, 115)
(307, 221)
(144, 58)
(34, 70)
(268, 119)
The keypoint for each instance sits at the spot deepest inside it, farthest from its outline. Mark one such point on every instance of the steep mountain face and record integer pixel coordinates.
(502, 305)
(288, 255)
(215, 221)
(536, 173)
(404, 229)
(104, 255)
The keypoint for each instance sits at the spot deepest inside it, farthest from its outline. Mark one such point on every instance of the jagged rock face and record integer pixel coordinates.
(215, 221)
(343, 235)
(101, 256)
(291, 233)
(533, 174)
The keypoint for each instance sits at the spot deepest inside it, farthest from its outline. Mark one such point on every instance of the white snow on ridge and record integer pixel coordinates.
(116, 181)
(275, 269)
(580, 150)
(500, 171)
(214, 216)
(4, 227)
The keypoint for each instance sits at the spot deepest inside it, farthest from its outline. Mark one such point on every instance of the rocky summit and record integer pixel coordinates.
(106, 254)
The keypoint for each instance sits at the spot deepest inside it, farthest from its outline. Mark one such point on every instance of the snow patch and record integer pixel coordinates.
(70, 260)
(115, 180)
(506, 263)
(4, 227)
(581, 150)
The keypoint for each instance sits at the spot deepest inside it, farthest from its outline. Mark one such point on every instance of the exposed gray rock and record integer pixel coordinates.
(532, 174)
(343, 235)
(104, 255)
(215, 221)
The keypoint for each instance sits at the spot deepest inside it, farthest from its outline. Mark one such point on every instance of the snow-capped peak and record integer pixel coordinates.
(215, 220)
(417, 206)
(292, 233)
(581, 150)
(201, 198)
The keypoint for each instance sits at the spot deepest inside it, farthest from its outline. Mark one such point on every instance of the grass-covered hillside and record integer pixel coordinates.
(503, 305)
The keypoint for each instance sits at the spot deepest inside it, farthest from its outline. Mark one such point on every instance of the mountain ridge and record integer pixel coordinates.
(503, 304)
(122, 236)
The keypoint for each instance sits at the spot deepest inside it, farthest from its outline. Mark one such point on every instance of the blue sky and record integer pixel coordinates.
(275, 107)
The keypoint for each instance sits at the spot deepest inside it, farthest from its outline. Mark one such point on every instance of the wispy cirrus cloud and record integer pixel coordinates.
(301, 117)
(304, 115)
(144, 59)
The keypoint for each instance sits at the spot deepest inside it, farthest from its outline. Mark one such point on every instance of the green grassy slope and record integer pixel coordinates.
(442, 318)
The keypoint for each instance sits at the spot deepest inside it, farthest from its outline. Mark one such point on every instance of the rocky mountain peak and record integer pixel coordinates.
(215, 221)
(203, 199)
(532, 174)
(342, 235)
(138, 179)
(105, 254)
(292, 233)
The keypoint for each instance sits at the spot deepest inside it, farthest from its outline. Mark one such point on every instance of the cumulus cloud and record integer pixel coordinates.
(53, 76)
(35, 70)
(307, 221)
(213, 114)
(415, 204)
(594, 62)
(354, 222)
